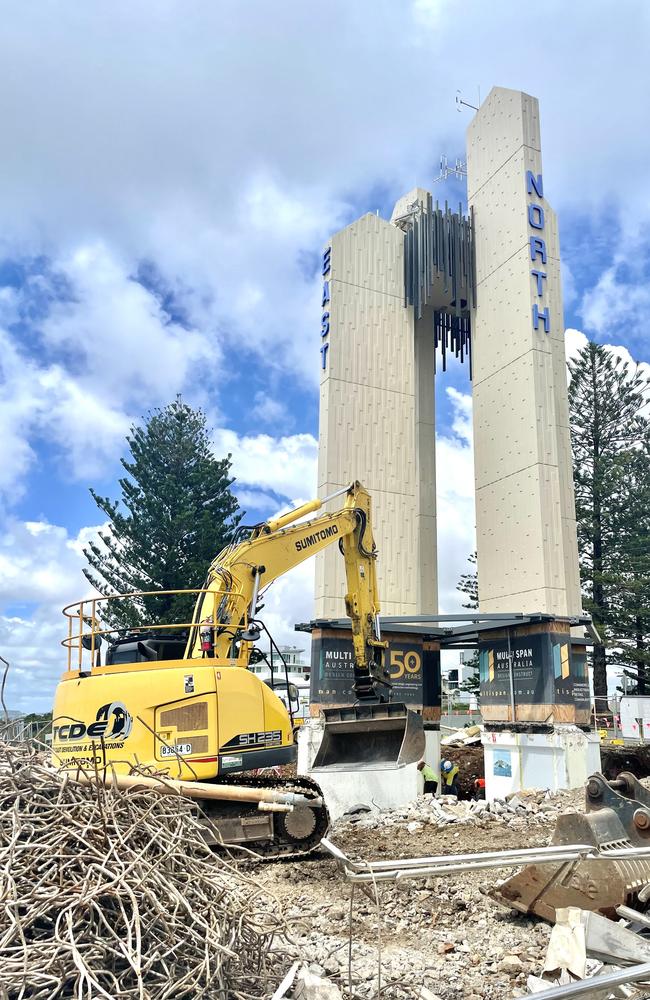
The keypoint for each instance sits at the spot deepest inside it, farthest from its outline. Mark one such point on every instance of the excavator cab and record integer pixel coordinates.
(369, 737)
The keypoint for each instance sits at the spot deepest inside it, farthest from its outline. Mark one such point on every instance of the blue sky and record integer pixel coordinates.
(170, 172)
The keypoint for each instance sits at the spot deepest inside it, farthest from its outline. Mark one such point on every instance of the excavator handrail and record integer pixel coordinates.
(87, 613)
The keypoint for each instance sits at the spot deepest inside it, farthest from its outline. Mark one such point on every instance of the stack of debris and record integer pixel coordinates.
(117, 895)
(466, 737)
(527, 808)
(584, 944)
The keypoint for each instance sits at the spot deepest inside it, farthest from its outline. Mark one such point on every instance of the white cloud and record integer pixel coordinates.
(288, 601)
(455, 490)
(270, 411)
(255, 500)
(40, 571)
(109, 352)
(41, 562)
(179, 135)
(574, 342)
(119, 334)
(286, 465)
(45, 401)
(615, 305)
(32, 645)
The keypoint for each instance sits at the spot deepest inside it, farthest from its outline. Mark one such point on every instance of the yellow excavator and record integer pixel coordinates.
(179, 699)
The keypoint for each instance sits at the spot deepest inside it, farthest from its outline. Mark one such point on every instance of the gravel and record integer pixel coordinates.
(443, 937)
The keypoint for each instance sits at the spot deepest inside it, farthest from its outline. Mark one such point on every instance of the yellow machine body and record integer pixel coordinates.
(198, 719)
(179, 698)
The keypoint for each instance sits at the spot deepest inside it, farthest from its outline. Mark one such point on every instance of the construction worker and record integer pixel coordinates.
(430, 777)
(479, 788)
(449, 775)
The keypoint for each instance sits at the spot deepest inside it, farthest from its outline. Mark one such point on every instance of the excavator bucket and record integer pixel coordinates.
(370, 736)
(617, 817)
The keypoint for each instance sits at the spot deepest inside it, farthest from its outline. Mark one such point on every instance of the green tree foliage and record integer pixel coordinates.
(468, 585)
(630, 599)
(606, 403)
(175, 513)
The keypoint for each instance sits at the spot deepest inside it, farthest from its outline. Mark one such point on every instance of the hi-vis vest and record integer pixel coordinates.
(448, 776)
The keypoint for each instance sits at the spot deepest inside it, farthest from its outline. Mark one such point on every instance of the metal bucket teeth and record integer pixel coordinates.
(617, 817)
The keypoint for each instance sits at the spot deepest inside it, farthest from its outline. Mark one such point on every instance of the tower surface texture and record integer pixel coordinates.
(395, 291)
(377, 415)
(525, 510)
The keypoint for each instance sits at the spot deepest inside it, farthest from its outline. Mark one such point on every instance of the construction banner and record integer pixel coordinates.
(414, 669)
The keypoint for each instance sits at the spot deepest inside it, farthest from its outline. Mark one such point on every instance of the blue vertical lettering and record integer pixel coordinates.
(534, 183)
(323, 351)
(542, 314)
(537, 246)
(325, 318)
(541, 277)
(536, 216)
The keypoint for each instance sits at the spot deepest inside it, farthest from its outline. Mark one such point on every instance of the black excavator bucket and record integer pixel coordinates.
(369, 736)
(617, 817)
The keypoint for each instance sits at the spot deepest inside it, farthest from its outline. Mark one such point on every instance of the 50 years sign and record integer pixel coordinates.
(413, 669)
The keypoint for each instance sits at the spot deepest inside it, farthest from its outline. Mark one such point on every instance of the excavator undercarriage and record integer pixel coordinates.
(286, 834)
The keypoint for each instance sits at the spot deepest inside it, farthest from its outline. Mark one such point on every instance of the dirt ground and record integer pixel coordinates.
(444, 934)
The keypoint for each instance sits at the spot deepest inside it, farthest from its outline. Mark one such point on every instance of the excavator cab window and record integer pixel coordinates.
(141, 647)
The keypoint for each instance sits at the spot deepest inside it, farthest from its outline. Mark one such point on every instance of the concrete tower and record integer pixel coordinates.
(396, 295)
(377, 415)
(525, 511)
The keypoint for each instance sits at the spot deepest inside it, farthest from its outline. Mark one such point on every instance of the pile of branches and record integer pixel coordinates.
(112, 894)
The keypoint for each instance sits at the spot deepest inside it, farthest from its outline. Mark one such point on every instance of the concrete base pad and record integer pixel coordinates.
(562, 759)
(381, 788)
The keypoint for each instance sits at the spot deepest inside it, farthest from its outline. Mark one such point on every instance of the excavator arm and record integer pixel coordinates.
(241, 571)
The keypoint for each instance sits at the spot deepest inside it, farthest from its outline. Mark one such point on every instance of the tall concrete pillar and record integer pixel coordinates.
(377, 415)
(525, 512)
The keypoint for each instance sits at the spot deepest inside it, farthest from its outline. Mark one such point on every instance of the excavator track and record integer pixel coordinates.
(271, 835)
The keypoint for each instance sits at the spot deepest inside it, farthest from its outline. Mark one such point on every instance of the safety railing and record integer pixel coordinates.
(88, 628)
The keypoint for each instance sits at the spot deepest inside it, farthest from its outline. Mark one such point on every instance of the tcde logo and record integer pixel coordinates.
(113, 722)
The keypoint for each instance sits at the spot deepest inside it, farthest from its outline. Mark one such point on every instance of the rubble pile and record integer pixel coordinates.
(527, 808)
(117, 895)
(445, 935)
(439, 938)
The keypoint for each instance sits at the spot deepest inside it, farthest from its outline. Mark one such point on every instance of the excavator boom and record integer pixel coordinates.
(371, 733)
(240, 572)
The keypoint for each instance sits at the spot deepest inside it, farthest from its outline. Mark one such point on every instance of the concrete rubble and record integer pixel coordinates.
(442, 938)
(585, 945)
(518, 811)
(469, 736)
